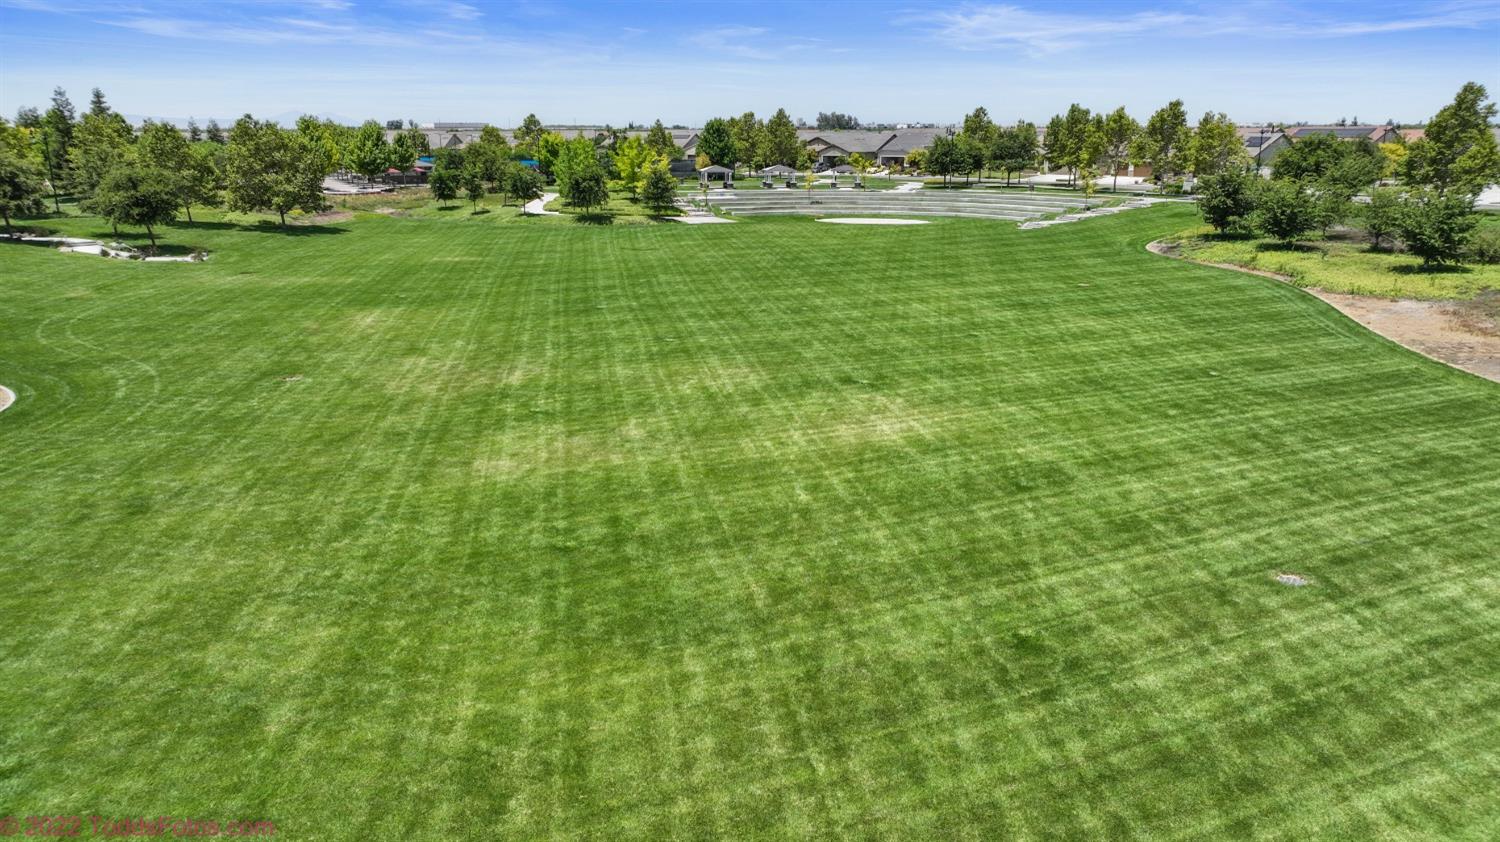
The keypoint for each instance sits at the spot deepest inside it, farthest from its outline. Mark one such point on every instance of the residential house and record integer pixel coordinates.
(1380, 134)
(1263, 143)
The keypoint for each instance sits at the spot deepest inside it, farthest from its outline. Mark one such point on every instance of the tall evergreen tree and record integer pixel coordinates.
(658, 140)
(782, 145)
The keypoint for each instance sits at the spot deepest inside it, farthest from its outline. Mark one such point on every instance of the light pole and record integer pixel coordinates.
(1262, 147)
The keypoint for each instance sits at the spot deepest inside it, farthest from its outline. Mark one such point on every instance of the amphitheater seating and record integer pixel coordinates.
(1016, 207)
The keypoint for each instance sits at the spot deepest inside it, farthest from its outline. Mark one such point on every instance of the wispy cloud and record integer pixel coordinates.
(1008, 26)
(987, 27)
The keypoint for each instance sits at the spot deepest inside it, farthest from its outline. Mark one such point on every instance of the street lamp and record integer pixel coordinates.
(1264, 130)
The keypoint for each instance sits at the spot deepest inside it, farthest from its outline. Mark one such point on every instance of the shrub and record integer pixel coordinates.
(1484, 246)
(1382, 215)
(1437, 228)
(1284, 211)
(1227, 200)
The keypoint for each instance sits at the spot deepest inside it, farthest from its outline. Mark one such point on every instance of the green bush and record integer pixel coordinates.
(1437, 228)
(1382, 215)
(1484, 245)
(1227, 200)
(1285, 211)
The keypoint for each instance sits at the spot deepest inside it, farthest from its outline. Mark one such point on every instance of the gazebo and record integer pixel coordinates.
(777, 169)
(714, 171)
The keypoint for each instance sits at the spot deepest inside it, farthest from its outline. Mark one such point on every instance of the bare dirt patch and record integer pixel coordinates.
(7, 397)
(1460, 333)
(1434, 328)
(326, 217)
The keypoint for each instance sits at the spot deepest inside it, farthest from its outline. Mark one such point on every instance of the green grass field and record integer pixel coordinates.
(421, 528)
(1345, 263)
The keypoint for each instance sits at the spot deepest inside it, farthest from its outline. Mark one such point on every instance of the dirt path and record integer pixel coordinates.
(7, 397)
(1428, 327)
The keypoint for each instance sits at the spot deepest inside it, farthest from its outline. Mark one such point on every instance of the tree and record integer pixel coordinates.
(944, 156)
(1163, 142)
(21, 187)
(491, 154)
(916, 160)
(530, 132)
(1310, 157)
(202, 182)
(1015, 149)
(1358, 168)
(368, 153)
(1216, 146)
(977, 137)
(589, 189)
(547, 150)
(195, 134)
(1226, 200)
(328, 137)
(1117, 135)
(659, 140)
(1382, 215)
(416, 139)
(1284, 210)
(716, 140)
(1093, 153)
(969, 156)
(525, 185)
(837, 121)
(1331, 206)
(100, 143)
(1457, 152)
(1066, 137)
(269, 168)
(403, 152)
(575, 161)
(214, 133)
(161, 146)
(632, 161)
(57, 133)
(782, 145)
(749, 139)
(1395, 159)
(658, 187)
(97, 105)
(1437, 227)
(860, 163)
(444, 185)
(146, 196)
(473, 182)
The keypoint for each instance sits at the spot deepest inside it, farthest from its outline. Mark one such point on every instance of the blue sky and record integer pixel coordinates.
(575, 61)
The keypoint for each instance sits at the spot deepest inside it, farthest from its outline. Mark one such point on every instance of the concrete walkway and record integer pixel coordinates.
(79, 245)
(537, 207)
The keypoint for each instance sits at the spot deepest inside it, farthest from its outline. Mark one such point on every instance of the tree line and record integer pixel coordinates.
(1313, 184)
